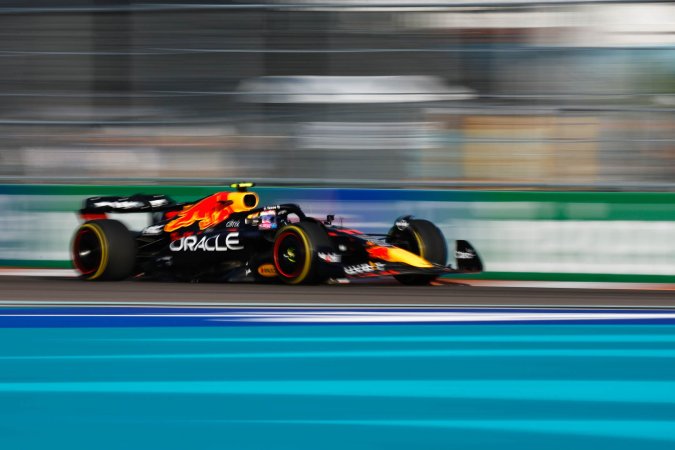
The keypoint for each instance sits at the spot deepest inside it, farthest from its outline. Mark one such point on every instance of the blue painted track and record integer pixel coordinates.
(141, 378)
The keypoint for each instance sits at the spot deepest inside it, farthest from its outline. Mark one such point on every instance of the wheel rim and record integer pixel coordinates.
(87, 252)
(289, 254)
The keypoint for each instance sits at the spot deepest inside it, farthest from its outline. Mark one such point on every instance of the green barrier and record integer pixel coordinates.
(570, 236)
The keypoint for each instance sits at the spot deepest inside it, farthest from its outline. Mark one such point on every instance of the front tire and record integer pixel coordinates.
(424, 239)
(104, 250)
(295, 248)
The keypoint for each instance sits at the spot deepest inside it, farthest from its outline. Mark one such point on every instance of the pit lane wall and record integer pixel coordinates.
(571, 236)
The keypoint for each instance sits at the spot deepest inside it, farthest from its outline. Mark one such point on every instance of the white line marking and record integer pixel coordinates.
(456, 317)
(379, 316)
(20, 272)
(298, 305)
(70, 273)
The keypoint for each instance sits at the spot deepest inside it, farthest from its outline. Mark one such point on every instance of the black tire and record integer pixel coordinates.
(104, 250)
(295, 248)
(424, 239)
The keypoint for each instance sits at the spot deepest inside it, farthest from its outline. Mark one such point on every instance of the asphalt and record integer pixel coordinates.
(40, 290)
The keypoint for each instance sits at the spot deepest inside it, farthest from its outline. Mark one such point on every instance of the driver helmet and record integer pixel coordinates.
(268, 220)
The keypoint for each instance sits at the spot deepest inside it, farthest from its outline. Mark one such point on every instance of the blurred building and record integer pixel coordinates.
(527, 92)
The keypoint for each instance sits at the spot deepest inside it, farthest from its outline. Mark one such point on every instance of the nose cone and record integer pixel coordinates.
(395, 254)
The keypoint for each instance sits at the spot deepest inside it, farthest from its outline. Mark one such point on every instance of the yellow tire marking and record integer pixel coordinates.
(420, 243)
(309, 253)
(104, 249)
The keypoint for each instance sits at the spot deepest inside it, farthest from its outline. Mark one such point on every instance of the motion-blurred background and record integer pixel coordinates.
(388, 92)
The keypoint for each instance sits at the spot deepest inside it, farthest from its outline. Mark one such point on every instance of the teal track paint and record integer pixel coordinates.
(350, 386)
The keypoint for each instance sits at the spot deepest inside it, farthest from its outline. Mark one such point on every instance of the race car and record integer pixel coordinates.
(226, 236)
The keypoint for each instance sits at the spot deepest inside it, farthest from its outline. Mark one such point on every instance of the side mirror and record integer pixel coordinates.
(329, 219)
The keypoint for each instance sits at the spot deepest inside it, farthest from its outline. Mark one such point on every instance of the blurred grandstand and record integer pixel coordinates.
(577, 94)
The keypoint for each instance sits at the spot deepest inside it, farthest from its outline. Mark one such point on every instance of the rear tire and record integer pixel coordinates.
(104, 250)
(295, 248)
(424, 239)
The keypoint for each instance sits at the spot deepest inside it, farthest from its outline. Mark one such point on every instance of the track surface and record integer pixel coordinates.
(140, 374)
(28, 290)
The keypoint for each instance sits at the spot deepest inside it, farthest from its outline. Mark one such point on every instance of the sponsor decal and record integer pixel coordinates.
(153, 230)
(330, 257)
(122, 204)
(207, 212)
(232, 224)
(159, 202)
(465, 255)
(360, 269)
(218, 243)
(165, 261)
(402, 224)
(267, 270)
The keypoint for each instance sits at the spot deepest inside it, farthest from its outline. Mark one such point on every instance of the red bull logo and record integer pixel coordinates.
(207, 212)
(213, 210)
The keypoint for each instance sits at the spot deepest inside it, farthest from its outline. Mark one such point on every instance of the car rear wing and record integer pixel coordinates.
(97, 207)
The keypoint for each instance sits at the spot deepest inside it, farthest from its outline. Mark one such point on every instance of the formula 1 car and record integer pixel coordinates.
(227, 237)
